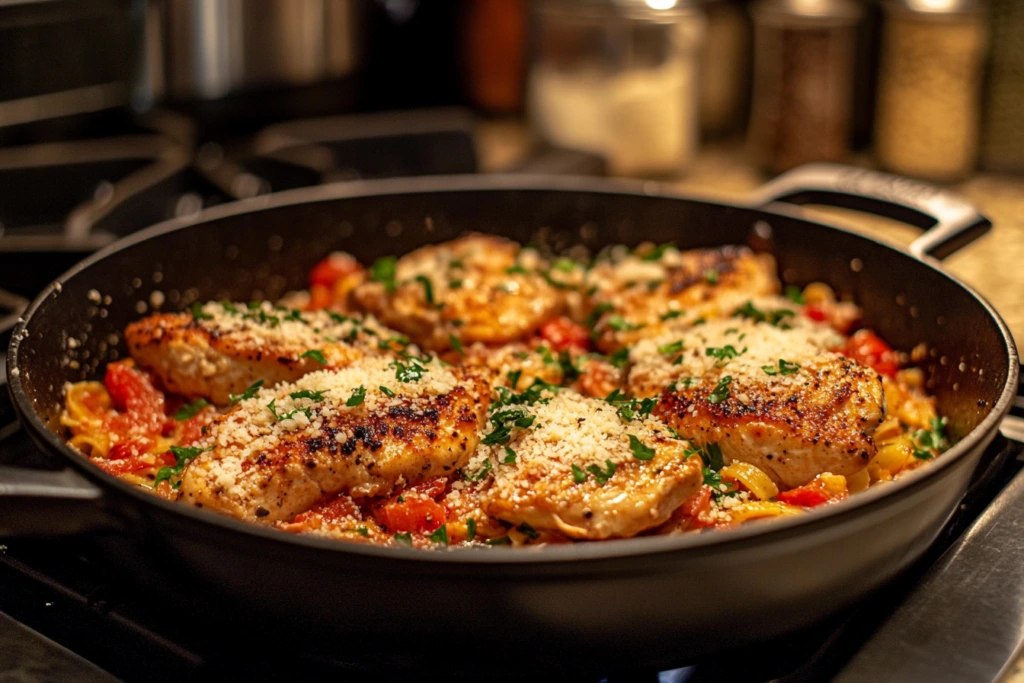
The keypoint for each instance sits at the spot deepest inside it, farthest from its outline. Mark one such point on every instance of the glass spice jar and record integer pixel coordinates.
(929, 88)
(618, 78)
(804, 59)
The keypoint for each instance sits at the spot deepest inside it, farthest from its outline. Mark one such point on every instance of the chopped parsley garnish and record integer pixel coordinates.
(386, 344)
(338, 317)
(711, 275)
(229, 307)
(795, 294)
(596, 314)
(296, 315)
(628, 407)
(723, 354)
(929, 440)
(569, 370)
(470, 529)
(286, 416)
(671, 314)
(721, 391)
(785, 368)
(659, 251)
(777, 318)
(671, 349)
(620, 324)
(504, 540)
(362, 531)
(640, 451)
(306, 393)
(315, 354)
(510, 456)
(182, 456)
(455, 284)
(578, 475)
(620, 358)
(248, 393)
(602, 475)
(403, 537)
(480, 473)
(190, 410)
(504, 421)
(412, 372)
(506, 397)
(253, 305)
(516, 269)
(428, 288)
(356, 399)
(566, 265)
(513, 378)
(456, 344)
(527, 530)
(198, 313)
(384, 270)
(440, 536)
(384, 390)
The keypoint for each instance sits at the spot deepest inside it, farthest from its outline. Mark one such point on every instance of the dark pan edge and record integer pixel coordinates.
(768, 532)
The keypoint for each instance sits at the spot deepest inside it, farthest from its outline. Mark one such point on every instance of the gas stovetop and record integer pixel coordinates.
(62, 616)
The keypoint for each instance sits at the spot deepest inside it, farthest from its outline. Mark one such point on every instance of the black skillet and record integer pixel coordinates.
(655, 601)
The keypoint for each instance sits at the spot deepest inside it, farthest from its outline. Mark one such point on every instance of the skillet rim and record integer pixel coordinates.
(575, 553)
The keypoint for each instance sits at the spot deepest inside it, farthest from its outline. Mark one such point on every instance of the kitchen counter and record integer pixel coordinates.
(994, 265)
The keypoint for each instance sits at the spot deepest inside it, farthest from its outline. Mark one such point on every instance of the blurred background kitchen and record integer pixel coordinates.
(116, 114)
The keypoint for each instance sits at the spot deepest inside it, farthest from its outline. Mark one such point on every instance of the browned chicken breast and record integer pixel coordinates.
(363, 430)
(476, 288)
(773, 397)
(577, 466)
(635, 296)
(222, 349)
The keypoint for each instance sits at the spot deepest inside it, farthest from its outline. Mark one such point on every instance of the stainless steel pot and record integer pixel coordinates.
(205, 49)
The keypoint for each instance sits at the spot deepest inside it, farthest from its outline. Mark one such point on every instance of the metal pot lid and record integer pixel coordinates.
(807, 12)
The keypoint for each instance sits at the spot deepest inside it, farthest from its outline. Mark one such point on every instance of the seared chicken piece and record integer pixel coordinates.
(635, 297)
(476, 288)
(364, 431)
(579, 468)
(773, 397)
(222, 349)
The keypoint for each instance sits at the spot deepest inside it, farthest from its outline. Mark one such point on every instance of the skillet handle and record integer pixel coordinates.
(949, 221)
(46, 503)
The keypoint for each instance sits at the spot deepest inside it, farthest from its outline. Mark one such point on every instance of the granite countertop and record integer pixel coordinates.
(994, 265)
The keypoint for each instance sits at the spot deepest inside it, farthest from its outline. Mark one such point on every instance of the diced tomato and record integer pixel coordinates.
(412, 514)
(132, 448)
(414, 509)
(563, 333)
(804, 496)
(336, 266)
(814, 312)
(125, 458)
(697, 503)
(192, 428)
(867, 348)
(140, 404)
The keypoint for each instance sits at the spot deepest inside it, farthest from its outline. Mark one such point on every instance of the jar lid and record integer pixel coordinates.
(937, 8)
(807, 12)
